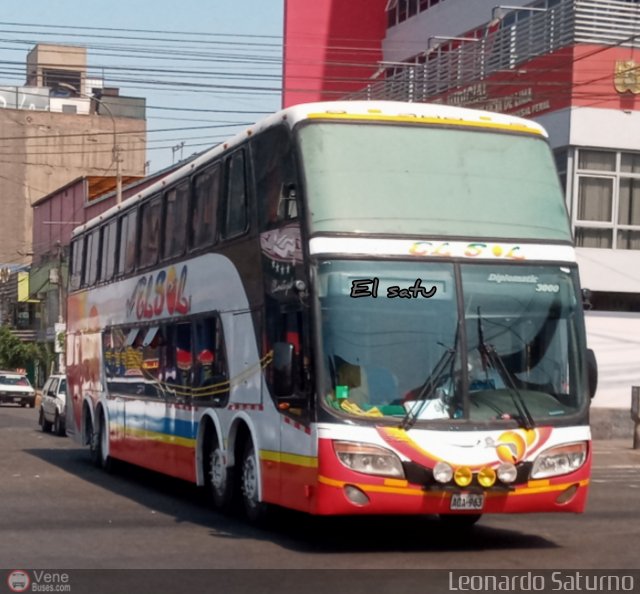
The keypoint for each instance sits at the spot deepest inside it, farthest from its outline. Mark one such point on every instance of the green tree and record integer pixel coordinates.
(16, 354)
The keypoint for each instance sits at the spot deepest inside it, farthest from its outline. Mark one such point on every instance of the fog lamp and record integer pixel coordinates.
(487, 477)
(463, 476)
(507, 472)
(442, 472)
(355, 495)
(567, 495)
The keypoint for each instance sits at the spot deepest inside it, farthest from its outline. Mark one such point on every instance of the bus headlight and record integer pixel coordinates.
(442, 472)
(559, 460)
(507, 472)
(368, 459)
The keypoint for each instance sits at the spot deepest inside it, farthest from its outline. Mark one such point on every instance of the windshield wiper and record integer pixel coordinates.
(446, 361)
(488, 351)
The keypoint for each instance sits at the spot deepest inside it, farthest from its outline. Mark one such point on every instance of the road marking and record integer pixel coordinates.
(615, 466)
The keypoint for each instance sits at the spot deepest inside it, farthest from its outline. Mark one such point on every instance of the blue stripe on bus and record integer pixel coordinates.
(166, 425)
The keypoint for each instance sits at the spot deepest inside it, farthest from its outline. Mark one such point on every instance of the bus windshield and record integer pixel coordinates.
(427, 180)
(397, 340)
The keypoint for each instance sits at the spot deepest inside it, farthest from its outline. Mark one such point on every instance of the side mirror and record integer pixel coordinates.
(592, 373)
(283, 369)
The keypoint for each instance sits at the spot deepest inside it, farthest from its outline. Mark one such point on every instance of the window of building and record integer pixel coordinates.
(236, 215)
(561, 159)
(206, 192)
(150, 231)
(399, 10)
(607, 199)
(175, 229)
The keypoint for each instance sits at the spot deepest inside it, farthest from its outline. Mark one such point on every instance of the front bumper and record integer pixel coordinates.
(18, 398)
(564, 493)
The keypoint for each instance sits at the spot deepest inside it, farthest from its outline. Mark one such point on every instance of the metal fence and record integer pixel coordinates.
(506, 43)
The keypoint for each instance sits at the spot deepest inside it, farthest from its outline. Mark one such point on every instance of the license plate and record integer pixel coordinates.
(467, 501)
(17, 399)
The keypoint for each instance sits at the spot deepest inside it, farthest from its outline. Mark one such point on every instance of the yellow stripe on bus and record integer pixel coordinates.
(161, 437)
(425, 120)
(295, 459)
(409, 491)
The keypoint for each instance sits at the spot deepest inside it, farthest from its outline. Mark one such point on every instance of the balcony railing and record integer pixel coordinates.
(518, 37)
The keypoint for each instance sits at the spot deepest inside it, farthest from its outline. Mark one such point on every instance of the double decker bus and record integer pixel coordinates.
(349, 308)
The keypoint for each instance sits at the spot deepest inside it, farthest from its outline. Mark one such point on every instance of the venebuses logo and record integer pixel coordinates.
(18, 581)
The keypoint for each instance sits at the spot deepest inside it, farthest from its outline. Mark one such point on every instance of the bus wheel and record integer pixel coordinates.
(98, 444)
(220, 478)
(255, 510)
(459, 521)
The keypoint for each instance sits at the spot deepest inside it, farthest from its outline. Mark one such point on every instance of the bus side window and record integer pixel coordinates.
(127, 243)
(206, 192)
(287, 326)
(175, 226)
(150, 231)
(178, 361)
(236, 203)
(275, 176)
(92, 262)
(210, 377)
(152, 350)
(77, 257)
(109, 244)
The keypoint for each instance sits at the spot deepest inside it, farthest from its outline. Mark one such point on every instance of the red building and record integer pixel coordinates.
(572, 65)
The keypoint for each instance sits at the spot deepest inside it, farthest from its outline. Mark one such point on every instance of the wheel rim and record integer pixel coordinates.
(218, 471)
(250, 481)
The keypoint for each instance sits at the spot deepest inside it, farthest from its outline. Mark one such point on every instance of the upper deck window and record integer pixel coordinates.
(175, 228)
(431, 181)
(150, 232)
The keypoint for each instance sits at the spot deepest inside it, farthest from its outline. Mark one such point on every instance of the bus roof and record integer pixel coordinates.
(373, 111)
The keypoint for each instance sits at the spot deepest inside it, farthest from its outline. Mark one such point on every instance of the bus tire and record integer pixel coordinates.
(98, 437)
(255, 510)
(220, 478)
(459, 521)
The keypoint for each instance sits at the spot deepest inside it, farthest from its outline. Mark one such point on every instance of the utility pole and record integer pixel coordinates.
(117, 157)
(60, 326)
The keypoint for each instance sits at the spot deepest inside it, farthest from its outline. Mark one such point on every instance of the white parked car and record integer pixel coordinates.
(53, 408)
(15, 387)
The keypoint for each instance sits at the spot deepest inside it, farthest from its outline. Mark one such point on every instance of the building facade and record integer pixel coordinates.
(54, 218)
(573, 66)
(60, 126)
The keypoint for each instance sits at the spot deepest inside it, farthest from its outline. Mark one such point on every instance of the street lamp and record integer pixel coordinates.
(116, 148)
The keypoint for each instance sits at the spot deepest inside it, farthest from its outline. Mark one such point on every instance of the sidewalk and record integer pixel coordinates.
(611, 423)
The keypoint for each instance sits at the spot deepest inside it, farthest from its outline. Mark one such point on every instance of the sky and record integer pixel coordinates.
(207, 68)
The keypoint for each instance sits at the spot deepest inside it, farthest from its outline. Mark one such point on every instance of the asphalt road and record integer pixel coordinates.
(58, 511)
